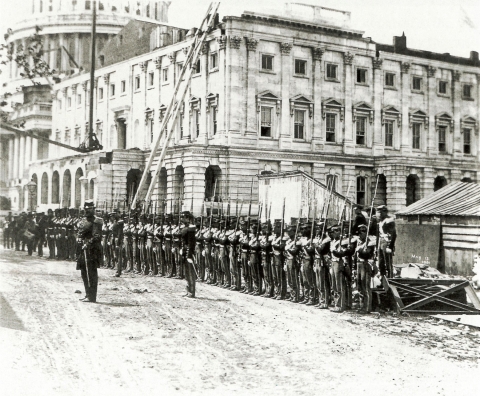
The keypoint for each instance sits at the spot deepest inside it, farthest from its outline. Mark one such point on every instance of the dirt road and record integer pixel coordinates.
(222, 342)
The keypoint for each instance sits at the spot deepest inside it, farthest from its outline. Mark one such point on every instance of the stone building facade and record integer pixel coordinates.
(271, 94)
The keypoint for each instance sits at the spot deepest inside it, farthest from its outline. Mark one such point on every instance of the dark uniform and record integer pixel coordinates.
(89, 251)
(188, 249)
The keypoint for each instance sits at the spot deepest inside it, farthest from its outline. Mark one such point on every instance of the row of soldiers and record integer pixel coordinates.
(303, 261)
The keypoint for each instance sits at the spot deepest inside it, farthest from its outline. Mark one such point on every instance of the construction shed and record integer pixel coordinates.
(304, 197)
(442, 229)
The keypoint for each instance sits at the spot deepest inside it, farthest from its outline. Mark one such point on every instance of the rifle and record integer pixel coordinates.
(201, 216)
(211, 208)
(313, 221)
(345, 201)
(327, 205)
(370, 214)
(238, 218)
(249, 212)
(350, 224)
(282, 227)
(259, 222)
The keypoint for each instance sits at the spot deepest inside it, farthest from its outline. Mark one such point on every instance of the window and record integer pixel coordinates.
(416, 127)
(467, 91)
(361, 190)
(330, 136)
(332, 182)
(214, 121)
(101, 7)
(417, 83)
(180, 125)
(299, 124)
(197, 123)
(442, 87)
(332, 71)
(267, 62)
(57, 135)
(112, 89)
(69, 102)
(123, 86)
(300, 67)
(389, 79)
(150, 128)
(213, 60)
(467, 149)
(137, 82)
(151, 79)
(100, 93)
(79, 99)
(266, 121)
(179, 68)
(389, 133)
(165, 74)
(361, 76)
(67, 135)
(198, 67)
(442, 139)
(361, 129)
(88, 5)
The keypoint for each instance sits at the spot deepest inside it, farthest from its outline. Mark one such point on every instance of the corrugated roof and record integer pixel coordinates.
(456, 199)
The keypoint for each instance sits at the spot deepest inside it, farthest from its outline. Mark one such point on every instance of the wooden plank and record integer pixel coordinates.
(437, 297)
(426, 311)
(461, 231)
(462, 245)
(461, 238)
(426, 281)
(397, 298)
(472, 296)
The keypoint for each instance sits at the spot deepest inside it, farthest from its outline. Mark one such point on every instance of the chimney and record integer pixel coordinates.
(474, 55)
(400, 42)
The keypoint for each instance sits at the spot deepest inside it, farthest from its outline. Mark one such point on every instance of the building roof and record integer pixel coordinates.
(455, 199)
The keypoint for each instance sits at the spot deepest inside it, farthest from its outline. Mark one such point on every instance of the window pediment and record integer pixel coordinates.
(444, 119)
(212, 101)
(267, 97)
(300, 100)
(335, 105)
(161, 112)
(391, 112)
(417, 115)
(469, 122)
(362, 108)
(149, 113)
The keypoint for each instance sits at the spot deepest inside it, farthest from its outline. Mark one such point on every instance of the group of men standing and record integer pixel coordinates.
(302, 261)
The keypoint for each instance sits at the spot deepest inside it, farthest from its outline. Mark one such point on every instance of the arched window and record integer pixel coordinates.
(67, 189)
(412, 189)
(55, 188)
(381, 197)
(361, 190)
(133, 180)
(78, 187)
(212, 174)
(44, 189)
(162, 185)
(439, 183)
(178, 186)
(467, 180)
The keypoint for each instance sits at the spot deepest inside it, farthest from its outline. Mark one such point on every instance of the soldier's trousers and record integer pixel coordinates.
(6, 239)
(385, 260)
(159, 259)
(323, 282)
(200, 262)
(247, 279)
(40, 243)
(208, 263)
(267, 274)
(71, 242)
(111, 248)
(338, 285)
(214, 254)
(364, 276)
(254, 266)
(190, 276)
(148, 266)
(51, 247)
(168, 258)
(142, 253)
(292, 278)
(119, 256)
(178, 262)
(106, 252)
(223, 267)
(278, 277)
(234, 269)
(127, 243)
(308, 281)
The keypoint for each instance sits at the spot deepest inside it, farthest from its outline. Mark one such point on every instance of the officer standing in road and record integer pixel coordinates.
(89, 251)
(188, 249)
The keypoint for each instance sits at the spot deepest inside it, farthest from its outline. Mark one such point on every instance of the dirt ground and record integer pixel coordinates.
(223, 342)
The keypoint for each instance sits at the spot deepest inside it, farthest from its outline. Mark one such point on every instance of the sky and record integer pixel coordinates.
(434, 25)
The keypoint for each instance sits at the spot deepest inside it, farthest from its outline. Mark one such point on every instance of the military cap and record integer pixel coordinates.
(293, 221)
(233, 219)
(362, 227)
(334, 227)
(49, 211)
(88, 204)
(40, 213)
(382, 208)
(57, 211)
(291, 228)
(277, 221)
(358, 207)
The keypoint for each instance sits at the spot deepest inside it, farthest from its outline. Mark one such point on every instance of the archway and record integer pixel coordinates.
(67, 189)
(381, 197)
(55, 188)
(44, 189)
(91, 189)
(78, 187)
(467, 180)
(178, 186)
(412, 189)
(162, 185)
(133, 180)
(213, 175)
(439, 182)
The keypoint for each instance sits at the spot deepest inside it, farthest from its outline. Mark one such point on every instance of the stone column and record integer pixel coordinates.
(234, 115)
(405, 143)
(377, 143)
(426, 182)
(318, 171)
(194, 185)
(21, 157)
(396, 187)
(455, 138)
(429, 126)
(286, 166)
(11, 155)
(317, 81)
(28, 150)
(63, 58)
(284, 119)
(348, 143)
(16, 157)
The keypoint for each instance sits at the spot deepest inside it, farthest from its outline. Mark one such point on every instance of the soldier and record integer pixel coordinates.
(387, 235)
(42, 224)
(51, 234)
(243, 241)
(105, 240)
(89, 251)
(364, 253)
(214, 251)
(188, 247)
(255, 258)
(19, 226)
(290, 266)
(159, 258)
(6, 231)
(127, 242)
(224, 279)
(279, 278)
(168, 240)
(322, 263)
(29, 232)
(207, 237)
(233, 235)
(149, 229)
(176, 246)
(70, 224)
(307, 252)
(265, 240)
(359, 219)
(199, 256)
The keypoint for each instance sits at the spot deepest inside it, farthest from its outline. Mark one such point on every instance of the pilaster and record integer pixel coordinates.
(396, 191)
(430, 129)
(286, 70)
(348, 143)
(405, 146)
(455, 135)
(11, 155)
(377, 143)
(349, 180)
(251, 89)
(317, 81)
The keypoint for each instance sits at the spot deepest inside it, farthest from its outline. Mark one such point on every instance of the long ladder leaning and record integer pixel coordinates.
(173, 109)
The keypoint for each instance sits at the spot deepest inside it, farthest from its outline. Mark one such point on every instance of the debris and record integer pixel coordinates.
(140, 291)
(78, 292)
